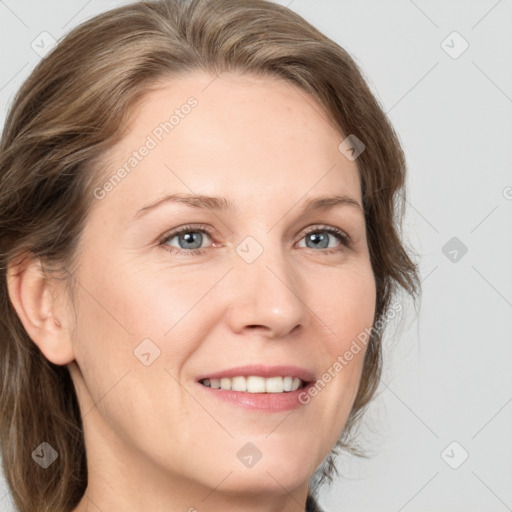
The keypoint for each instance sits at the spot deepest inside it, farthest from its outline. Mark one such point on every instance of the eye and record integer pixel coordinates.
(190, 238)
(318, 238)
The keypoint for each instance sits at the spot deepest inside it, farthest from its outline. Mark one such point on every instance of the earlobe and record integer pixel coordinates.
(36, 299)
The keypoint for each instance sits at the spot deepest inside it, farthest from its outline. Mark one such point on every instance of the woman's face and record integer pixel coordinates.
(244, 285)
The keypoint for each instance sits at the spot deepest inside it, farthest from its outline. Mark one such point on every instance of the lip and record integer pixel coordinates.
(262, 371)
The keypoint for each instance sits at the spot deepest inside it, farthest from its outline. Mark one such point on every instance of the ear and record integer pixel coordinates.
(40, 303)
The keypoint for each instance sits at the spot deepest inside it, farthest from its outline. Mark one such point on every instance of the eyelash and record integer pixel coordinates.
(340, 235)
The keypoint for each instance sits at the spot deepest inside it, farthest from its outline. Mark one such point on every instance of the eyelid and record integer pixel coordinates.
(185, 229)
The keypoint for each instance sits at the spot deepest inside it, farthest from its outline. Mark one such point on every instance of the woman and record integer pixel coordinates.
(199, 250)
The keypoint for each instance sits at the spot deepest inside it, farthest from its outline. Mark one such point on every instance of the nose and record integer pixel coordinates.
(268, 296)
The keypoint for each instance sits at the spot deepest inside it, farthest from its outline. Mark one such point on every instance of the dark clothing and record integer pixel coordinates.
(312, 505)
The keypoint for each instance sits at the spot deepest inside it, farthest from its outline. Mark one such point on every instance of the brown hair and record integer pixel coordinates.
(74, 106)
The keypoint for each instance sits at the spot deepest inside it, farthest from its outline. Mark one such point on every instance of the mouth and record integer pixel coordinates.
(259, 379)
(256, 384)
(268, 389)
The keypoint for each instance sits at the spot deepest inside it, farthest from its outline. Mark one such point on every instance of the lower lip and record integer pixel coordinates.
(265, 402)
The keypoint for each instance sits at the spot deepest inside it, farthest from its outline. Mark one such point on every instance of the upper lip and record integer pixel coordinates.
(262, 371)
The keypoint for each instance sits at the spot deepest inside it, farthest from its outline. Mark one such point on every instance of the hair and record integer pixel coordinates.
(74, 106)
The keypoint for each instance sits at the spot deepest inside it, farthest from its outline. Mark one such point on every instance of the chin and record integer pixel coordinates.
(269, 480)
(274, 471)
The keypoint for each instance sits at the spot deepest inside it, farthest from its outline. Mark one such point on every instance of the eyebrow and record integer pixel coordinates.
(223, 204)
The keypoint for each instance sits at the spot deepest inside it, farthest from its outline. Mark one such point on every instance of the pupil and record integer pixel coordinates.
(317, 238)
(189, 238)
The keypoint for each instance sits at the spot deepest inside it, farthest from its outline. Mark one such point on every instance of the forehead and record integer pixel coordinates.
(208, 134)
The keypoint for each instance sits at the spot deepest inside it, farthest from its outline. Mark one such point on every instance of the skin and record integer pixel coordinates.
(154, 440)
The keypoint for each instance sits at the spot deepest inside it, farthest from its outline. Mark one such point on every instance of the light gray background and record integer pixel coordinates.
(448, 373)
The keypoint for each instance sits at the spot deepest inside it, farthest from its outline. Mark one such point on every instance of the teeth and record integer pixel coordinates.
(255, 384)
(287, 383)
(225, 384)
(239, 384)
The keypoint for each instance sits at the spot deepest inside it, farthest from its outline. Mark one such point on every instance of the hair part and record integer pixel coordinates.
(74, 106)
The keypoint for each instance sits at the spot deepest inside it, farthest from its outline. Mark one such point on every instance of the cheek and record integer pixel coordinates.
(129, 311)
(345, 309)
(140, 302)
(344, 306)
(354, 325)
(122, 316)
